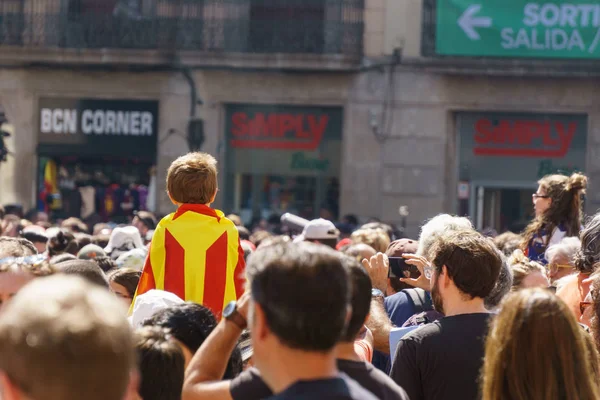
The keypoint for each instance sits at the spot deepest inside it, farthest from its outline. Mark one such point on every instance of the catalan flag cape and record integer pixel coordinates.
(196, 254)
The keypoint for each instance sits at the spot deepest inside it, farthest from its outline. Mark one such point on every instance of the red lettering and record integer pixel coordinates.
(524, 138)
(300, 132)
(483, 134)
(263, 126)
(286, 124)
(318, 128)
(239, 122)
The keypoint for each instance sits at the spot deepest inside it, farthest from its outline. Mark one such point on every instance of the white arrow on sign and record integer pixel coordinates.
(468, 21)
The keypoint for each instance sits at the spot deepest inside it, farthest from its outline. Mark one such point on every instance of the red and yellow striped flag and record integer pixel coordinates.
(196, 254)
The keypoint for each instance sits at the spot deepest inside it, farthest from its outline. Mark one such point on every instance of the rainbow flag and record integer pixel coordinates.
(196, 254)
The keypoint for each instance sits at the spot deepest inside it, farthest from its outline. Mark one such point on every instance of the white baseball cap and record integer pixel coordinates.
(318, 229)
(149, 303)
(124, 238)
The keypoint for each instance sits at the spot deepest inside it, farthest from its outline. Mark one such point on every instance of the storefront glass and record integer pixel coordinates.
(96, 157)
(283, 159)
(503, 155)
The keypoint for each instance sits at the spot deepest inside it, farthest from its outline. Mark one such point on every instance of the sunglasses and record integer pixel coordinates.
(583, 305)
(553, 268)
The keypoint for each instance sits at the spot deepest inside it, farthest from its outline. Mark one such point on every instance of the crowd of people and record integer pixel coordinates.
(197, 306)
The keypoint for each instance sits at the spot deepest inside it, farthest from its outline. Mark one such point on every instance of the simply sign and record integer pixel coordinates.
(500, 28)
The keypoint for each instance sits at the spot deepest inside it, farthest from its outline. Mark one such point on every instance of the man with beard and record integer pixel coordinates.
(442, 360)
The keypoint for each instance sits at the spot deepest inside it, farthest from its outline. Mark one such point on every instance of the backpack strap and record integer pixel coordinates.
(420, 299)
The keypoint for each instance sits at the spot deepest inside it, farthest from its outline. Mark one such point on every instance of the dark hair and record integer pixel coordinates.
(588, 258)
(351, 219)
(508, 242)
(63, 242)
(146, 218)
(161, 364)
(75, 225)
(88, 270)
(61, 258)
(34, 237)
(502, 287)
(331, 243)
(303, 291)
(16, 247)
(191, 323)
(361, 297)
(83, 239)
(101, 240)
(106, 263)
(472, 260)
(243, 232)
(126, 277)
(566, 193)
(2, 212)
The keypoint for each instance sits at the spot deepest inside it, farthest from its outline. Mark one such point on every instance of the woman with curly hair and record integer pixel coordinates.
(558, 213)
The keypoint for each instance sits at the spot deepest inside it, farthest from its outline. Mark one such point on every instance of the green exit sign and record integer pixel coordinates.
(516, 28)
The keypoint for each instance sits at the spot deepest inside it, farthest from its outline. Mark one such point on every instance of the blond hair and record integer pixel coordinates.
(536, 350)
(62, 338)
(522, 267)
(192, 178)
(376, 238)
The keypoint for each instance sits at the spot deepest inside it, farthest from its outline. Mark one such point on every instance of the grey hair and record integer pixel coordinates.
(588, 256)
(566, 249)
(437, 227)
(503, 285)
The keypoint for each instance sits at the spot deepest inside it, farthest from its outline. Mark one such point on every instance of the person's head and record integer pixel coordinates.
(123, 239)
(376, 238)
(438, 226)
(466, 266)
(259, 236)
(161, 364)
(557, 201)
(64, 339)
(74, 225)
(396, 249)
(101, 240)
(144, 221)
(190, 324)
(320, 231)
(508, 242)
(36, 235)
(16, 273)
(527, 273)
(359, 251)
(61, 258)
(91, 252)
(237, 221)
(503, 286)
(590, 308)
(561, 258)
(536, 350)
(123, 283)
(83, 239)
(16, 247)
(192, 179)
(243, 232)
(88, 270)
(62, 242)
(248, 248)
(588, 257)
(300, 301)
(271, 240)
(361, 297)
(389, 231)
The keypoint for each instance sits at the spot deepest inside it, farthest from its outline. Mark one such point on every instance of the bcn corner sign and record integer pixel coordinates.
(500, 28)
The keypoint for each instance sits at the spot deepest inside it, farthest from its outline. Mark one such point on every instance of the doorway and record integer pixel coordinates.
(501, 207)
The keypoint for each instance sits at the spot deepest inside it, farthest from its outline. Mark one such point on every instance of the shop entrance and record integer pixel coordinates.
(501, 208)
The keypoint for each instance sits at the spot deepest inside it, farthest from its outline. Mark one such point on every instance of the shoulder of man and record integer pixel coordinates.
(383, 386)
(355, 390)
(249, 385)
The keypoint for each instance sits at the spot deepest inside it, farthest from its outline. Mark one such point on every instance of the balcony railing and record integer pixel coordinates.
(257, 26)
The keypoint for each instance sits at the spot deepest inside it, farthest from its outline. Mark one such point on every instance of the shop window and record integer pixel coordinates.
(100, 189)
